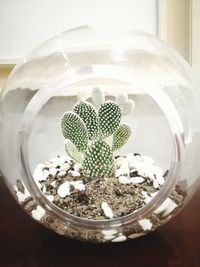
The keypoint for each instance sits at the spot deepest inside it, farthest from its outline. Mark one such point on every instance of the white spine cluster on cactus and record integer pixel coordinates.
(86, 128)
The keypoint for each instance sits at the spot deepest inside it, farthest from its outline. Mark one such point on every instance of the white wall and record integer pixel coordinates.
(26, 23)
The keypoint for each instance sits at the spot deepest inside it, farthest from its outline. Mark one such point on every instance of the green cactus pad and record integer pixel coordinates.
(121, 136)
(109, 118)
(73, 152)
(88, 114)
(98, 160)
(74, 129)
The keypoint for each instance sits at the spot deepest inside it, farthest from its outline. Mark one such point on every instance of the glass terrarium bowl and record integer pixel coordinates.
(100, 134)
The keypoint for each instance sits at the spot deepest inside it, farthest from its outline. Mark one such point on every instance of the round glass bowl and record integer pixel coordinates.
(140, 167)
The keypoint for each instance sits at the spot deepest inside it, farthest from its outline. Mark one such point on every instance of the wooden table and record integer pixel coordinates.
(25, 243)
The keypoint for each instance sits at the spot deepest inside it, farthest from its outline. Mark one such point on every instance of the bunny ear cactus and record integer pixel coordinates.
(109, 118)
(121, 136)
(74, 129)
(88, 114)
(86, 129)
(98, 161)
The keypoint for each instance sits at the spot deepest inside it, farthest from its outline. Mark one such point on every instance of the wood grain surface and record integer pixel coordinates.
(25, 243)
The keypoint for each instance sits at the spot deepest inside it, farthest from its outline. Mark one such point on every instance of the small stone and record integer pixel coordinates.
(124, 180)
(21, 197)
(53, 171)
(77, 167)
(20, 186)
(61, 174)
(65, 167)
(53, 184)
(75, 173)
(78, 185)
(107, 210)
(137, 180)
(166, 207)
(50, 198)
(123, 170)
(64, 190)
(109, 234)
(38, 213)
(120, 161)
(160, 180)
(120, 238)
(147, 198)
(45, 175)
(44, 189)
(50, 164)
(145, 224)
(130, 158)
(38, 173)
(155, 184)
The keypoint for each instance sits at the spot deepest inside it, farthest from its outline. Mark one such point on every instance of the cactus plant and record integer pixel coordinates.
(86, 129)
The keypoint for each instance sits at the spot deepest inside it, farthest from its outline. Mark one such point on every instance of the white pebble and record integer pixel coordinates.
(78, 185)
(64, 190)
(120, 238)
(45, 174)
(44, 189)
(65, 167)
(77, 167)
(155, 184)
(53, 183)
(109, 234)
(123, 170)
(107, 210)
(50, 164)
(53, 171)
(137, 180)
(124, 180)
(160, 180)
(147, 198)
(38, 213)
(50, 198)
(120, 161)
(61, 173)
(38, 173)
(22, 196)
(130, 158)
(75, 173)
(166, 207)
(146, 224)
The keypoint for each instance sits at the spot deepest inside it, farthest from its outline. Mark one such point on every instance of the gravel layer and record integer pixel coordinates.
(61, 180)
